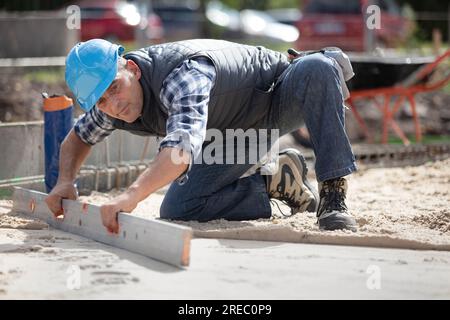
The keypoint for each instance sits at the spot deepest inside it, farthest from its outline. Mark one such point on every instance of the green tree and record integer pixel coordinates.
(425, 27)
(27, 5)
(261, 4)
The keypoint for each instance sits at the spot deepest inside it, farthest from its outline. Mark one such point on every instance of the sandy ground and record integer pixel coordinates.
(44, 265)
(398, 207)
(405, 208)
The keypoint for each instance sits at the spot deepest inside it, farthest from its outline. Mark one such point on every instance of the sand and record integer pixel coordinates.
(14, 220)
(397, 208)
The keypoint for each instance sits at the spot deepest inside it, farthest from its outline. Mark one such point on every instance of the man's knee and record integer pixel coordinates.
(175, 208)
(171, 209)
(316, 65)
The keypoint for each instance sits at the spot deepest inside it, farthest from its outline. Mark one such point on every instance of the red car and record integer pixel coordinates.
(341, 23)
(116, 20)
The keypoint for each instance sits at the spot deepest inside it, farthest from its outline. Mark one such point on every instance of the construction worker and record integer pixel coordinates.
(181, 91)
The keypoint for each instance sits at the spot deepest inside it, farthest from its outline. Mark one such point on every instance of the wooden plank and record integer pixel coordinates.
(160, 240)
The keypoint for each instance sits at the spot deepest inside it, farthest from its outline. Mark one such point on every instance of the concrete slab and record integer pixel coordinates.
(47, 264)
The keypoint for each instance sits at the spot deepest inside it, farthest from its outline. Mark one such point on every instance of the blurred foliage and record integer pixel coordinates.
(24, 5)
(261, 4)
(425, 27)
(426, 139)
(27, 5)
(48, 75)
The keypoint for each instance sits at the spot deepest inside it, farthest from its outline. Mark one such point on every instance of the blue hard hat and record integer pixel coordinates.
(91, 67)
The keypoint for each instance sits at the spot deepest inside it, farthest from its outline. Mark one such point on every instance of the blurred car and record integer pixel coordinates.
(225, 21)
(181, 19)
(259, 23)
(117, 20)
(285, 15)
(341, 23)
(248, 23)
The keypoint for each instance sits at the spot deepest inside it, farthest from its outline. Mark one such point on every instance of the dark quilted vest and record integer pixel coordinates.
(245, 76)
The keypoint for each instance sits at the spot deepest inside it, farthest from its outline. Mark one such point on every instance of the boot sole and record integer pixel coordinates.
(337, 223)
(338, 226)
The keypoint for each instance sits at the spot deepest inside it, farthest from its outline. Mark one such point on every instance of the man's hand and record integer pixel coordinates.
(109, 211)
(63, 190)
(73, 152)
(160, 172)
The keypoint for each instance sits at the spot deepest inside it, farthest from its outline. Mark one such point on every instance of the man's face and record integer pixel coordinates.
(124, 98)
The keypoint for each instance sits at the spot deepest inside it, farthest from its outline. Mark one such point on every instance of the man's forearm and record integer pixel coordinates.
(72, 155)
(162, 171)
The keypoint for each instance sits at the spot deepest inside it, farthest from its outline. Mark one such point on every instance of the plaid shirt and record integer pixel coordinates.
(184, 94)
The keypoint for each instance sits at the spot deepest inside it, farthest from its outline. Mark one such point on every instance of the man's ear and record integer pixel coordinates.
(133, 68)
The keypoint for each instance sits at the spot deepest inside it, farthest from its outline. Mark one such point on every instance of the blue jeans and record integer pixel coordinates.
(309, 93)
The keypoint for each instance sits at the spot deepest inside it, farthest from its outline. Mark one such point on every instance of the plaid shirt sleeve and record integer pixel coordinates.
(93, 126)
(185, 95)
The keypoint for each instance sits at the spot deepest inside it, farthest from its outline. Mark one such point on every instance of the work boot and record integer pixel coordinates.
(333, 213)
(290, 185)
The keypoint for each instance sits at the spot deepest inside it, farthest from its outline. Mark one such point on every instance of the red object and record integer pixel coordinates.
(116, 21)
(417, 83)
(340, 23)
